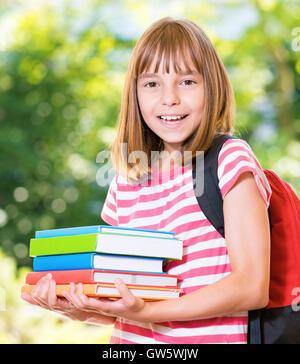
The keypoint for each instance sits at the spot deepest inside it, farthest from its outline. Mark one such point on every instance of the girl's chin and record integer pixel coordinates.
(170, 146)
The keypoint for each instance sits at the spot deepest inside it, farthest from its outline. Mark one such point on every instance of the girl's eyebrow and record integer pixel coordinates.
(182, 73)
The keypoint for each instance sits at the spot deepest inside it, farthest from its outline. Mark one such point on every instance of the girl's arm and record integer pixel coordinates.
(247, 234)
(246, 288)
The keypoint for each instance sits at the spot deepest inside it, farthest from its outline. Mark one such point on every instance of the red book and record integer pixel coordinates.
(105, 276)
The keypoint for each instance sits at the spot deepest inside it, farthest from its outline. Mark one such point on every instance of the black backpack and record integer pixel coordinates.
(279, 322)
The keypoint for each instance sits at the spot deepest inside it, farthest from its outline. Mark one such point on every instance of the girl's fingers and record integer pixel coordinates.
(88, 304)
(81, 296)
(58, 304)
(80, 300)
(76, 297)
(84, 300)
(38, 287)
(130, 301)
(71, 296)
(52, 298)
(127, 296)
(27, 297)
(40, 292)
(62, 305)
(44, 295)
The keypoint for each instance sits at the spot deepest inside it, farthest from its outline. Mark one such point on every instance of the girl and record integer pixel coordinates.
(177, 98)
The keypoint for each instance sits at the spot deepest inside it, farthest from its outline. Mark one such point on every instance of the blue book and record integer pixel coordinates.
(97, 261)
(96, 229)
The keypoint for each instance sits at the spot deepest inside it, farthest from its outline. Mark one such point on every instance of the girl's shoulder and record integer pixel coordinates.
(233, 152)
(234, 145)
(237, 157)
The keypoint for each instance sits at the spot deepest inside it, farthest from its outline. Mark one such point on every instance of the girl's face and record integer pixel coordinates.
(171, 103)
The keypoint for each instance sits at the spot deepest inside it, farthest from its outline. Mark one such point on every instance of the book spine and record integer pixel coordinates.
(63, 262)
(81, 230)
(91, 289)
(88, 276)
(60, 288)
(94, 229)
(62, 277)
(63, 245)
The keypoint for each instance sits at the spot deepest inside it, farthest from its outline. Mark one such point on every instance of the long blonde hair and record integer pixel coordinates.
(169, 39)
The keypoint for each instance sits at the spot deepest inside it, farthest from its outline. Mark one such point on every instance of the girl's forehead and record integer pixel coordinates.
(170, 64)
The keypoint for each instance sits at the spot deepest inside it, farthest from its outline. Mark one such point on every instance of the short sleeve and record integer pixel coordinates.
(235, 158)
(109, 210)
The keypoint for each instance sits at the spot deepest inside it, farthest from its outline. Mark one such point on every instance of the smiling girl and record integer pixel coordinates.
(178, 97)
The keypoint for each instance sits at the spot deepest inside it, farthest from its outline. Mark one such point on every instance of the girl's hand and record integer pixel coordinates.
(128, 306)
(44, 295)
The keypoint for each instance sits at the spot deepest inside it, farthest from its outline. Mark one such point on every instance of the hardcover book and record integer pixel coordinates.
(110, 291)
(108, 243)
(97, 261)
(105, 276)
(95, 229)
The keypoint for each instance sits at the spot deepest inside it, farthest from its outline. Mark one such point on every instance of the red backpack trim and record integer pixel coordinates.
(285, 242)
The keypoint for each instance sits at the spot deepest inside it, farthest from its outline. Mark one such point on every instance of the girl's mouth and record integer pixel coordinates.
(172, 121)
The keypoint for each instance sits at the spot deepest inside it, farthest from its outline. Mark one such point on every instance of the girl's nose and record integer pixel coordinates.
(170, 97)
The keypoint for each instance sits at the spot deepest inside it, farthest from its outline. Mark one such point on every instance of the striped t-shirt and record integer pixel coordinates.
(168, 203)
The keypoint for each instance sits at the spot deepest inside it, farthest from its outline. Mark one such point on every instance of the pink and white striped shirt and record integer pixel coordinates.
(169, 204)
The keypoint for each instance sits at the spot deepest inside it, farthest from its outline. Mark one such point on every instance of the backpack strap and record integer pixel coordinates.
(211, 200)
(211, 203)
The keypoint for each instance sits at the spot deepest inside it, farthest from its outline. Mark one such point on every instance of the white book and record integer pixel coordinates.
(149, 293)
(121, 262)
(136, 278)
(140, 246)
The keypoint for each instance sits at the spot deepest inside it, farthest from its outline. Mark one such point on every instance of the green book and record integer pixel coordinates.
(106, 243)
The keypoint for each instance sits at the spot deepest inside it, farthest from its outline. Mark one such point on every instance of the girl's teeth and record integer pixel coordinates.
(165, 118)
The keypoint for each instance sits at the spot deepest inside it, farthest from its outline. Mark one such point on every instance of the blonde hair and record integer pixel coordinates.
(169, 39)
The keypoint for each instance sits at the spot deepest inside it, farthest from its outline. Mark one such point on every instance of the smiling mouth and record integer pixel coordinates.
(172, 119)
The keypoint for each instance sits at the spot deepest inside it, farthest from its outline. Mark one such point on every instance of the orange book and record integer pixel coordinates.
(110, 291)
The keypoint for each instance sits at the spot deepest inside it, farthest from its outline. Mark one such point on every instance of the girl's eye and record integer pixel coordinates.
(150, 84)
(188, 82)
(153, 84)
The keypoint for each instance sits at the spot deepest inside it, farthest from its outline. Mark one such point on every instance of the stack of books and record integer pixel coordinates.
(97, 255)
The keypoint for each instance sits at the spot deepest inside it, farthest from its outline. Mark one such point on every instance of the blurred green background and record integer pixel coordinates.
(62, 67)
